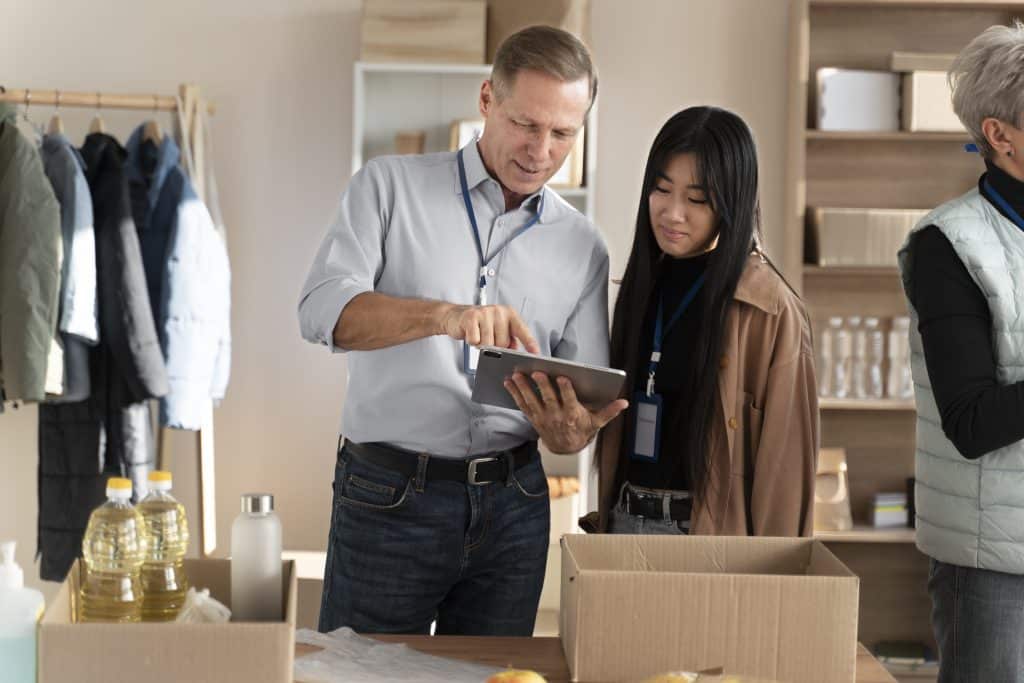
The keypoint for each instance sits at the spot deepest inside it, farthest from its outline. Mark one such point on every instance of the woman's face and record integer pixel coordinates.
(683, 221)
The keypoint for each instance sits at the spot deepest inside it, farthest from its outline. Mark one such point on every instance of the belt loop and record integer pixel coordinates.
(510, 463)
(421, 472)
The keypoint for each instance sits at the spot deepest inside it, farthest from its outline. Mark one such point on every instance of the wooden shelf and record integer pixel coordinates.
(866, 404)
(847, 271)
(884, 136)
(922, 4)
(866, 534)
(439, 68)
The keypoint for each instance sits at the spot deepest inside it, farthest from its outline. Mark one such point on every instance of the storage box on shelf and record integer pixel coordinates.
(874, 170)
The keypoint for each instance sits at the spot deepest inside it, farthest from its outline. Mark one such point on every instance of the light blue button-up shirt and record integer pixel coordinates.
(402, 230)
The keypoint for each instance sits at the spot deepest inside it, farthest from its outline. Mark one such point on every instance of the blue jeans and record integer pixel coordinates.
(622, 520)
(400, 557)
(978, 618)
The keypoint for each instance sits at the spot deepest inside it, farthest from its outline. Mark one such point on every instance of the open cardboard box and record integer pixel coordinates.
(777, 608)
(168, 652)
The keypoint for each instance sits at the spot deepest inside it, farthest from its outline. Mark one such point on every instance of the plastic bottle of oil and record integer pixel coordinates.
(114, 548)
(163, 573)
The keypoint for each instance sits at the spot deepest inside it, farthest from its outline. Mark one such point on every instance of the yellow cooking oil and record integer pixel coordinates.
(163, 574)
(113, 548)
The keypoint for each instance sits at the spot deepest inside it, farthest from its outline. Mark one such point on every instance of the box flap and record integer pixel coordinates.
(690, 554)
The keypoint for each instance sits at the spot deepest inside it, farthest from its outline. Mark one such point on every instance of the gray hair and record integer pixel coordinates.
(987, 80)
(546, 49)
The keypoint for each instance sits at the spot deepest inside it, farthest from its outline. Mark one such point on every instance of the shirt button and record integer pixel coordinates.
(732, 423)
(490, 272)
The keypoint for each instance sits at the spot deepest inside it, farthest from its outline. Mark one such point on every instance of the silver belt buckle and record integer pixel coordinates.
(471, 473)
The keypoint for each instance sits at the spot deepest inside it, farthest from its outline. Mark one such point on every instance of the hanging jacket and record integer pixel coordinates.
(30, 264)
(78, 324)
(188, 276)
(81, 444)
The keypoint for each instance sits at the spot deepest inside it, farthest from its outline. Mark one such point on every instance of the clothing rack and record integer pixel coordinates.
(190, 124)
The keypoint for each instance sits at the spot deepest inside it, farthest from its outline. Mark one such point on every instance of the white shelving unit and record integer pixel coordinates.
(392, 97)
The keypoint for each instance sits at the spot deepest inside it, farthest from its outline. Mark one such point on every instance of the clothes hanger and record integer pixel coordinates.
(56, 126)
(38, 130)
(96, 126)
(152, 131)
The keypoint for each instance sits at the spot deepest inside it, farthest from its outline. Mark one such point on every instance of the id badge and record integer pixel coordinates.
(470, 358)
(646, 427)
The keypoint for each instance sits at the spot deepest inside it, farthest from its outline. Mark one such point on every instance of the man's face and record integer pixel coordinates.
(529, 133)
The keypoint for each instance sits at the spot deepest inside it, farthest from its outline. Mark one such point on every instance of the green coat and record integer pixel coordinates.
(30, 263)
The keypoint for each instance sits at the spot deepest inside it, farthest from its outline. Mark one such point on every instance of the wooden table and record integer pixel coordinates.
(545, 656)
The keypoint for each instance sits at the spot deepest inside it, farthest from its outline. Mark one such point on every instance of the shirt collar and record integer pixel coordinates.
(167, 158)
(476, 173)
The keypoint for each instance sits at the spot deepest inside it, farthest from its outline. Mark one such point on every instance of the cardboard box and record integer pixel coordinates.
(928, 103)
(168, 653)
(921, 61)
(859, 237)
(505, 17)
(424, 31)
(776, 608)
(849, 99)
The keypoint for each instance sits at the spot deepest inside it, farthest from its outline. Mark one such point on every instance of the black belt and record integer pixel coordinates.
(650, 507)
(482, 469)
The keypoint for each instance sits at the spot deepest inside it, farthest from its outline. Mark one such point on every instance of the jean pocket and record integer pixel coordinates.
(531, 480)
(365, 486)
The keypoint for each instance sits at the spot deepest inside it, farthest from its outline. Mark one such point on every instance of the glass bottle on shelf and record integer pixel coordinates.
(875, 342)
(842, 358)
(900, 383)
(826, 347)
(858, 358)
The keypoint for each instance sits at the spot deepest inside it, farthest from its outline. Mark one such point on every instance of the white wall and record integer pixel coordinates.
(281, 76)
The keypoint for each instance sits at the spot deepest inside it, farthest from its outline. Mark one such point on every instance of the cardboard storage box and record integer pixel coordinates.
(849, 99)
(928, 104)
(777, 608)
(921, 61)
(859, 237)
(505, 17)
(168, 653)
(424, 31)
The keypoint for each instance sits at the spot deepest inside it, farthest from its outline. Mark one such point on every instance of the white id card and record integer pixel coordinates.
(647, 427)
(470, 358)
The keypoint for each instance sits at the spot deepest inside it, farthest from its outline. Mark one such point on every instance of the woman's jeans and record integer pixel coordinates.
(623, 520)
(978, 618)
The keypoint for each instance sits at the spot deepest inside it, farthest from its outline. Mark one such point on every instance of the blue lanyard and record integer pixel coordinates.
(484, 262)
(1004, 205)
(660, 330)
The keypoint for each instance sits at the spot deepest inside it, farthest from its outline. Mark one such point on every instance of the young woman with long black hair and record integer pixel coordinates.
(721, 434)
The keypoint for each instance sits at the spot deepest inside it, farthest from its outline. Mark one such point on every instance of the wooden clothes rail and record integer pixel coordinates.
(190, 125)
(97, 100)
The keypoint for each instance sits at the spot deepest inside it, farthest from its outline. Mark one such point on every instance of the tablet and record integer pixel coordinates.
(595, 386)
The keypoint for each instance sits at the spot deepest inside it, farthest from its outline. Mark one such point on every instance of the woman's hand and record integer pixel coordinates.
(562, 422)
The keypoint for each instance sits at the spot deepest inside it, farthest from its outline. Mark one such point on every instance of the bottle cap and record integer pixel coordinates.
(160, 480)
(256, 503)
(11, 575)
(119, 488)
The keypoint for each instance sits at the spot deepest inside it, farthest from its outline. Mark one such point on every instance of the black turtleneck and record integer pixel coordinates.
(978, 414)
(675, 277)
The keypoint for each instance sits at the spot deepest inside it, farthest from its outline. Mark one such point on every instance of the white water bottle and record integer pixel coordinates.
(20, 609)
(256, 587)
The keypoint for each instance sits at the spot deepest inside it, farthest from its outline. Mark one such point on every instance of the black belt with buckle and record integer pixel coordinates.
(651, 507)
(482, 469)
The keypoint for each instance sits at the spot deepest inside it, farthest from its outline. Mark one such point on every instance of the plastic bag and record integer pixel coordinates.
(200, 608)
(350, 658)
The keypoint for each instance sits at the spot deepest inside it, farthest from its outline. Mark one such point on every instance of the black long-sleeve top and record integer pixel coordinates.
(978, 414)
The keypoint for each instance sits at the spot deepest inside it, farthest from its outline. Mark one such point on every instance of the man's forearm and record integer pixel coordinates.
(376, 321)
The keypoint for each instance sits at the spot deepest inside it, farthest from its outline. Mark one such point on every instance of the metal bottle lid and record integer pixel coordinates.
(257, 503)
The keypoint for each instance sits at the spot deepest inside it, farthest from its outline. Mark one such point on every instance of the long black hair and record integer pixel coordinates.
(726, 165)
